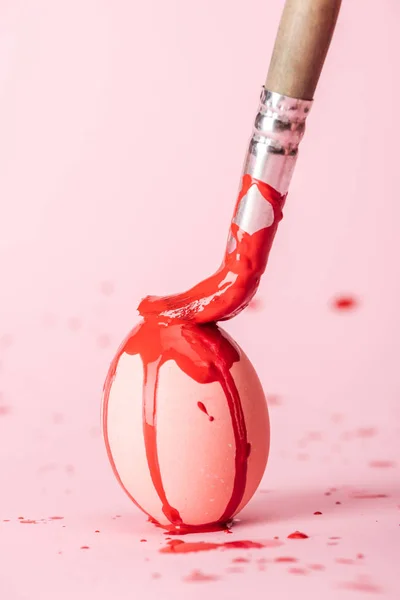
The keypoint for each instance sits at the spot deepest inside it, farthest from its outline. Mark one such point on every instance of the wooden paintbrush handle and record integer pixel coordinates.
(303, 39)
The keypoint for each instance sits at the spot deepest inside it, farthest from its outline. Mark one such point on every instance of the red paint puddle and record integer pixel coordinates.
(317, 567)
(318, 512)
(4, 410)
(382, 464)
(198, 576)
(344, 303)
(85, 547)
(204, 410)
(181, 547)
(297, 535)
(285, 559)
(345, 561)
(297, 571)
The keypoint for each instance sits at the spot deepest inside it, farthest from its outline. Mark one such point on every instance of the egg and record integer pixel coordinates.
(185, 423)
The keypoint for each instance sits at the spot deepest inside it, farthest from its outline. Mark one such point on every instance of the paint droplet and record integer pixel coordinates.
(181, 547)
(345, 303)
(297, 535)
(97, 530)
(143, 540)
(56, 518)
(285, 559)
(240, 559)
(345, 561)
(317, 512)
(203, 408)
(85, 547)
(28, 521)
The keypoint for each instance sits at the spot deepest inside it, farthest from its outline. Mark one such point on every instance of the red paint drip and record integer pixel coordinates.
(297, 535)
(181, 547)
(204, 410)
(206, 355)
(232, 287)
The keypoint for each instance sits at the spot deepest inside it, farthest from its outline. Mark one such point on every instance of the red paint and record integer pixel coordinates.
(4, 410)
(85, 547)
(345, 303)
(181, 547)
(232, 287)
(366, 496)
(361, 585)
(204, 410)
(382, 464)
(317, 567)
(143, 540)
(97, 531)
(366, 432)
(240, 559)
(206, 355)
(318, 512)
(56, 518)
(297, 535)
(337, 502)
(198, 576)
(28, 521)
(345, 561)
(285, 559)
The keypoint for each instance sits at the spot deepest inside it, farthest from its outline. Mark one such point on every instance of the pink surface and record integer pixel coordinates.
(89, 224)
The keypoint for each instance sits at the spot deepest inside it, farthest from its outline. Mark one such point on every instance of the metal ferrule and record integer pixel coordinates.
(278, 130)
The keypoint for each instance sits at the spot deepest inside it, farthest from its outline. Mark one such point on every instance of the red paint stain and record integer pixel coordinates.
(28, 521)
(316, 567)
(382, 464)
(344, 303)
(337, 502)
(198, 577)
(317, 512)
(204, 410)
(360, 556)
(56, 518)
(367, 496)
(285, 559)
(85, 547)
(297, 571)
(181, 547)
(205, 354)
(297, 535)
(227, 292)
(97, 530)
(143, 540)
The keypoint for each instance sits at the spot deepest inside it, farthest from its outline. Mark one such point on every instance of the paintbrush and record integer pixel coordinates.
(299, 53)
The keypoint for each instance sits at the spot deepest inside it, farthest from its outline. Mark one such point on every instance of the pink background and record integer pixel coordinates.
(123, 130)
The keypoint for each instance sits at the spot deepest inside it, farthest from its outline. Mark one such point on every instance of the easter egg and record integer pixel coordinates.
(185, 423)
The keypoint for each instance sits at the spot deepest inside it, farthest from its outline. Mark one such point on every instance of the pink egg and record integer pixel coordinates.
(186, 424)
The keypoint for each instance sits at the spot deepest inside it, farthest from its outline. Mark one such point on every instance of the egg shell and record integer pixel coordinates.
(196, 455)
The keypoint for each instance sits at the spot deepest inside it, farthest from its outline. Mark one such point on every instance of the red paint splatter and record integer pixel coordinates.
(297, 571)
(204, 410)
(285, 559)
(297, 535)
(97, 531)
(181, 547)
(143, 540)
(316, 567)
(344, 303)
(382, 464)
(85, 547)
(317, 512)
(227, 292)
(206, 354)
(198, 576)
